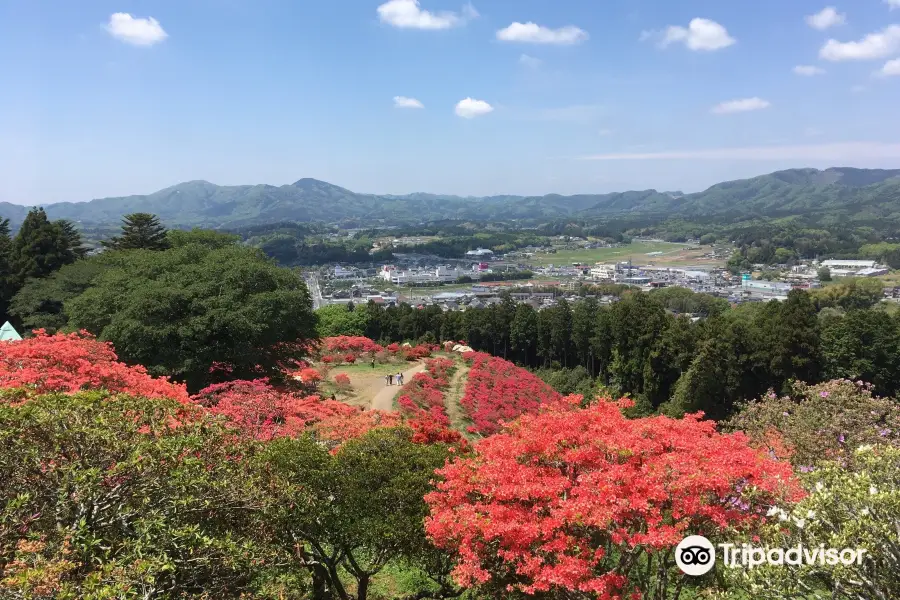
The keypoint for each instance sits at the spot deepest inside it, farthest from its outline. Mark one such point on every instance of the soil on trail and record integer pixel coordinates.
(383, 399)
(452, 405)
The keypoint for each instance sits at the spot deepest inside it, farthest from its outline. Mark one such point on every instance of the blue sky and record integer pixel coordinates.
(103, 98)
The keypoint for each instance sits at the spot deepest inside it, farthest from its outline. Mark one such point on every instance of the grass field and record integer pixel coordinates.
(673, 254)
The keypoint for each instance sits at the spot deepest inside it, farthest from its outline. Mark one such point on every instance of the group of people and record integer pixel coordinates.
(391, 379)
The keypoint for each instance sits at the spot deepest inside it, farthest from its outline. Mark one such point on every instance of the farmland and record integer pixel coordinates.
(672, 254)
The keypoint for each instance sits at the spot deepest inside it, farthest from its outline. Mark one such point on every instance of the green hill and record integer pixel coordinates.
(836, 194)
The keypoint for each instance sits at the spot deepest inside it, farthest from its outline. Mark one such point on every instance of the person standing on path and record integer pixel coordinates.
(373, 362)
(400, 378)
(387, 380)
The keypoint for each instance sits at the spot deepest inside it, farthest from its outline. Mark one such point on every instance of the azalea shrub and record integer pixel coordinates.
(415, 353)
(422, 403)
(585, 503)
(342, 382)
(103, 497)
(821, 422)
(346, 344)
(74, 362)
(856, 509)
(498, 391)
(263, 412)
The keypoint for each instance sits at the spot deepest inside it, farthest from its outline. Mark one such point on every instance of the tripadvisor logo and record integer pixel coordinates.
(696, 555)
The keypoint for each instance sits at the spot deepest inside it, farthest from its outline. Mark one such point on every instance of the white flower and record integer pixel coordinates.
(773, 511)
(782, 516)
(800, 522)
(810, 514)
(864, 448)
(864, 512)
(873, 490)
(820, 486)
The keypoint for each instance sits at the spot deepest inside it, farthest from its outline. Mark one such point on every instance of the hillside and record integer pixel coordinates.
(836, 194)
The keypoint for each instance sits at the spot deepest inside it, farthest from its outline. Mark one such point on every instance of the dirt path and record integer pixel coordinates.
(454, 395)
(384, 399)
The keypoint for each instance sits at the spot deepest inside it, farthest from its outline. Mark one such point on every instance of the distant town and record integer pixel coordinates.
(479, 279)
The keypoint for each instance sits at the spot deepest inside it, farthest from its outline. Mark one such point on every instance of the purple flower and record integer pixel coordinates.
(841, 438)
(884, 432)
(823, 394)
(806, 469)
(785, 414)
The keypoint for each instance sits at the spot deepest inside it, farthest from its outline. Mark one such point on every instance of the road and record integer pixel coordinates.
(312, 282)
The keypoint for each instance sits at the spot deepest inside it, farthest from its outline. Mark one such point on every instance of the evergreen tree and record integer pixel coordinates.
(40, 248)
(73, 238)
(140, 231)
(6, 274)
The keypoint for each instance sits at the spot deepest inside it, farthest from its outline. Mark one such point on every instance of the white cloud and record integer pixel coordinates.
(530, 61)
(890, 68)
(532, 33)
(407, 14)
(469, 108)
(837, 152)
(742, 105)
(136, 31)
(893, 3)
(808, 70)
(828, 17)
(700, 34)
(404, 102)
(875, 45)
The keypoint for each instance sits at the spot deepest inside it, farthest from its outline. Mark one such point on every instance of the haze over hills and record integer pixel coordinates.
(839, 193)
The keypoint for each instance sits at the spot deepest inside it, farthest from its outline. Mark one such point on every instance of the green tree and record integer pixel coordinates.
(39, 248)
(824, 274)
(863, 344)
(40, 302)
(73, 238)
(670, 357)
(7, 287)
(351, 514)
(523, 334)
(181, 311)
(791, 332)
(140, 231)
(338, 319)
(636, 322)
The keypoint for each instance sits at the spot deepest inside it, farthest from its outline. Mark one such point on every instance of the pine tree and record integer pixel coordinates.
(6, 274)
(140, 231)
(40, 248)
(73, 237)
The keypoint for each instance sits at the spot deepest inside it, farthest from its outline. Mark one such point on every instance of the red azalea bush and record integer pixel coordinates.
(560, 503)
(417, 352)
(73, 362)
(309, 375)
(342, 381)
(423, 403)
(498, 391)
(264, 413)
(346, 344)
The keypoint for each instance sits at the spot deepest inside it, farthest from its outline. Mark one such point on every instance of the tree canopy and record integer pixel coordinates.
(179, 312)
(140, 231)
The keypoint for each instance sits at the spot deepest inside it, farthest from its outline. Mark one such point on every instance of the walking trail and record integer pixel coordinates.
(384, 400)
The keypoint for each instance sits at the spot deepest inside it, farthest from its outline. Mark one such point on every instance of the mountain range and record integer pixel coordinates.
(836, 194)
